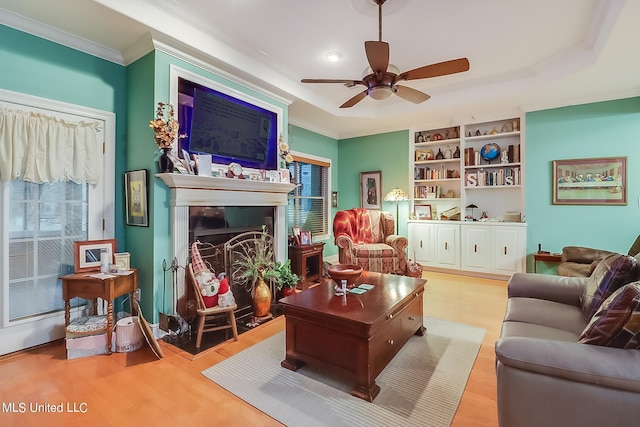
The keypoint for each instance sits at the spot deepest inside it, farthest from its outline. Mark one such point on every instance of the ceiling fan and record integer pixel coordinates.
(382, 81)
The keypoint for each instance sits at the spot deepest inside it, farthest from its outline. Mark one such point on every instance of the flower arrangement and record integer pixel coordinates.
(284, 150)
(165, 126)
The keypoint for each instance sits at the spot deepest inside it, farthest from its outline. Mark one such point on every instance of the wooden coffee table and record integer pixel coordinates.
(353, 334)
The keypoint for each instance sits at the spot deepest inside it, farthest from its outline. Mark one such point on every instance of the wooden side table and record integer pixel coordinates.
(306, 262)
(545, 257)
(84, 286)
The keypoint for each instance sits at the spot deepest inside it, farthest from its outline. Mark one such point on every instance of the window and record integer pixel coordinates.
(309, 202)
(44, 221)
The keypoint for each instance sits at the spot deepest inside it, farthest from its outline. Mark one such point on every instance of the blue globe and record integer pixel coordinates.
(490, 151)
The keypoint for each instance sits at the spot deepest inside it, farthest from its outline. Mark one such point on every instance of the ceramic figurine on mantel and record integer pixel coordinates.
(166, 129)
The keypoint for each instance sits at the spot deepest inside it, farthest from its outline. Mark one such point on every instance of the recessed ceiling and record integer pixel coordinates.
(523, 55)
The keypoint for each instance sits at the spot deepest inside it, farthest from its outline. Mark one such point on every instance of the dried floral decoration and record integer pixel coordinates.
(165, 127)
(284, 150)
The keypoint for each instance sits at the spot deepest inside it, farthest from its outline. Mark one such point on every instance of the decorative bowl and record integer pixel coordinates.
(348, 272)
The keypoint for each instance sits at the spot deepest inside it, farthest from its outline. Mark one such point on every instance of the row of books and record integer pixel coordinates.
(427, 191)
(472, 156)
(425, 172)
(482, 178)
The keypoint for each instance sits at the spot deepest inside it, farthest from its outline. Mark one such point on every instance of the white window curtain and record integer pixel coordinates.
(39, 148)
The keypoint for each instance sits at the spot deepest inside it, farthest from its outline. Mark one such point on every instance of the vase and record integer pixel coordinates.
(261, 299)
(165, 164)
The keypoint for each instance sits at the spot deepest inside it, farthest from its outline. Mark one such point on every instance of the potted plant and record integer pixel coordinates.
(286, 281)
(255, 263)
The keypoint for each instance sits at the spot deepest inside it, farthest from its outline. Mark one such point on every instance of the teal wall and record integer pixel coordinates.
(601, 129)
(38, 67)
(386, 152)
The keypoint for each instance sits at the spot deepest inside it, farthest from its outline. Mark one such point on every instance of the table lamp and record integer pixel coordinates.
(472, 207)
(396, 195)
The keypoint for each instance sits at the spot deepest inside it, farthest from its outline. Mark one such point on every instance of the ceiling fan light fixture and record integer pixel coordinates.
(380, 92)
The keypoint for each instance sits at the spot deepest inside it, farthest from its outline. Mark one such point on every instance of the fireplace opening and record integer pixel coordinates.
(217, 225)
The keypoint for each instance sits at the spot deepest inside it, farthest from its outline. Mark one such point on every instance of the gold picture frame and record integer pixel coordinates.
(593, 181)
(86, 254)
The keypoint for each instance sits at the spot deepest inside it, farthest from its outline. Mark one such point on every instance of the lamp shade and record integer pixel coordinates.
(471, 206)
(396, 195)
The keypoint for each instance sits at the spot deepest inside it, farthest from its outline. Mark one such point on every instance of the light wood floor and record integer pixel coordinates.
(136, 389)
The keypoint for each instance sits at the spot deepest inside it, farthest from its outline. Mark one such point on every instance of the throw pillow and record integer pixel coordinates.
(613, 272)
(617, 322)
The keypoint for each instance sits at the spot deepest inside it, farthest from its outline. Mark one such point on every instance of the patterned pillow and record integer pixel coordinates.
(617, 322)
(613, 272)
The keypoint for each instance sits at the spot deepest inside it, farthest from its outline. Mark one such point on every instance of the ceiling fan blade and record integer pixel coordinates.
(434, 70)
(353, 101)
(377, 55)
(410, 94)
(349, 83)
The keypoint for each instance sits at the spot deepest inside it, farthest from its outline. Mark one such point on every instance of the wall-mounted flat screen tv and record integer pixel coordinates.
(228, 128)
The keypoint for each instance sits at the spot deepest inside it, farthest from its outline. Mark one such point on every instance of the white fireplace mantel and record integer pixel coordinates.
(194, 190)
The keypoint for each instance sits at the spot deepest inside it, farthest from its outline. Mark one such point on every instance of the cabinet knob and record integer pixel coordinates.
(390, 342)
(505, 250)
(420, 244)
(416, 295)
(475, 248)
(412, 317)
(446, 246)
(389, 316)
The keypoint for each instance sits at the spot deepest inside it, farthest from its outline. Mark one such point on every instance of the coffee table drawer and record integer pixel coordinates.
(386, 344)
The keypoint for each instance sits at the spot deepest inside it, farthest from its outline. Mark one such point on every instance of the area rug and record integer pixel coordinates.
(422, 385)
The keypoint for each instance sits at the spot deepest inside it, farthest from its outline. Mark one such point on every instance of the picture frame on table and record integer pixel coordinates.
(423, 212)
(305, 237)
(87, 253)
(371, 190)
(136, 198)
(122, 260)
(296, 234)
(593, 181)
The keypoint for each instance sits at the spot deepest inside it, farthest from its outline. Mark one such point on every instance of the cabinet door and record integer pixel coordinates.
(475, 248)
(447, 246)
(421, 243)
(508, 246)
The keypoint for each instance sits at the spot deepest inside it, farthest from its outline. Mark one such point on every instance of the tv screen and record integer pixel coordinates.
(230, 129)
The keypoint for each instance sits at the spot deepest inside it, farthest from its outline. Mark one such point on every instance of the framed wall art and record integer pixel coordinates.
(423, 211)
(87, 253)
(371, 190)
(595, 181)
(136, 198)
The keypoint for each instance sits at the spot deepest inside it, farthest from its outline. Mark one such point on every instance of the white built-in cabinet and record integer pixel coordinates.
(489, 248)
(450, 173)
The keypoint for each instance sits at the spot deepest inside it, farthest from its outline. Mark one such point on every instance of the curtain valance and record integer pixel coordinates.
(39, 148)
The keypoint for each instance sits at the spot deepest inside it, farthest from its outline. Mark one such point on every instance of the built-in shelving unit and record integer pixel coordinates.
(471, 164)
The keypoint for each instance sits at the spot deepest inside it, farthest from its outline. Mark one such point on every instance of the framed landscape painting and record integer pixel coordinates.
(596, 181)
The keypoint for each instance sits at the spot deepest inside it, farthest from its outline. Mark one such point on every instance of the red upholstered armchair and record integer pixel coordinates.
(365, 238)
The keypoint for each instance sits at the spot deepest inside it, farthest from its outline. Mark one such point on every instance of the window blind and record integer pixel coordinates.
(308, 206)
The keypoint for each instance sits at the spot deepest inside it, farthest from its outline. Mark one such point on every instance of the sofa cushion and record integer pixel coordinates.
(545, 313)
(617, 322)
(531, 330)
(613, 272)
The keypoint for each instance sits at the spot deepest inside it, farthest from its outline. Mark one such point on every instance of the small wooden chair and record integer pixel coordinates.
(211, 313)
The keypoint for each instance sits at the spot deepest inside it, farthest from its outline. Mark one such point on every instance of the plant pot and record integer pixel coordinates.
(261, 299)
(288, 291)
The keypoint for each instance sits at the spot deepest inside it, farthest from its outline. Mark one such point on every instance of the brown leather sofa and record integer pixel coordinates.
(579, 261)
(545, 377)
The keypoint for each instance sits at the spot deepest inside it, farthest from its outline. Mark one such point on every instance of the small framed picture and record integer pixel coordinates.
(423, 212)
(122, 260)
(136, 198)
(87, 254)
(371, 190)
(296, 234)
(305, 237)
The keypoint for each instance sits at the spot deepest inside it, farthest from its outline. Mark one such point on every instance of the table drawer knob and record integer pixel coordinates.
(389, 316)
(390, 342)
(412, 317)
